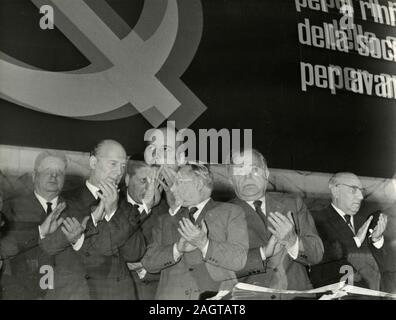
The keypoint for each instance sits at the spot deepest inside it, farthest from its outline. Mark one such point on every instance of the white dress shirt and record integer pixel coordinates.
(378, 244)
(176, 253)
(292, 250)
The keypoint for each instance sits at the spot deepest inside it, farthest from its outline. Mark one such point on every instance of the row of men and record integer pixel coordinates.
(105, 243)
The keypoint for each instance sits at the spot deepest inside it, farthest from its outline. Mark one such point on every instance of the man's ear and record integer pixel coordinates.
(33, 176)
(267, 173)
(334, 192)
(127, 180)
(93, 162)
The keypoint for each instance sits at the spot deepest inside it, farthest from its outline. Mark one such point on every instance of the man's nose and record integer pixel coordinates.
(53, 174)
(119, 169)
(359, 194)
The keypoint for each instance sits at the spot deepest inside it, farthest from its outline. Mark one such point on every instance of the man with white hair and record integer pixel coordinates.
(28, 217)
(349, 239)
(200, 245)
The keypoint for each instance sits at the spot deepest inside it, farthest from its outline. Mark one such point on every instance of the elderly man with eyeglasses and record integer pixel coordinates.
(283, 240)
(349, 238)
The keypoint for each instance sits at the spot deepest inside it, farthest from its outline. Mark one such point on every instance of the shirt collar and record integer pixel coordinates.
(341, 213)
(141, 206)
(199, 206)
(262, 199)
(43, 201)
(93, 189)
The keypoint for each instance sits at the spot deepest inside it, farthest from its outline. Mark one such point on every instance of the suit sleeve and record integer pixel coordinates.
(232, 253)
(56, 242)
(135, 247)
(110, 235)
(310, 244)
(254, 263)
(158, 256)
(20, 236)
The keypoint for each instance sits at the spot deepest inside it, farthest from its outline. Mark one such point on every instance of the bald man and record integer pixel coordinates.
(105, 235)
(349, 239)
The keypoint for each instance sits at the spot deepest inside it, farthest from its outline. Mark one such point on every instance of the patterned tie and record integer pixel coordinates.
(257, 204)
(349, 222)
(191, 213)
(49, 207)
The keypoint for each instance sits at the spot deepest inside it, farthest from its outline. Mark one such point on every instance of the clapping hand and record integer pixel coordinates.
(51, 223)
(197, 236)
(379, 228)
(109, 195)
(72, 229)
(283, 228)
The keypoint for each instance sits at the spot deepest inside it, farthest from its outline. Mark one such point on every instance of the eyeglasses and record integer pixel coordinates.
(354, 189)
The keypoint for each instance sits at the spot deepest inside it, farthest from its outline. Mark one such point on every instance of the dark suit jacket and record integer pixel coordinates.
(280, 271)
(99, 267)
(20, 246)
(387, 256)
(147, 287)
(192, 274)
(341, 250)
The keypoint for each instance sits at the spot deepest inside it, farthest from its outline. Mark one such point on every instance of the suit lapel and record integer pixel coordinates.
(37, 209)
(253, 220)
(208, 206)
(339, 225)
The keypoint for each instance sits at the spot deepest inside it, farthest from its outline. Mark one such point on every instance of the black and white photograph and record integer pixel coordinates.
(215, 151)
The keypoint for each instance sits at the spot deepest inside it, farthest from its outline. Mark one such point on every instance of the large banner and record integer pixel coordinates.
(315, 80)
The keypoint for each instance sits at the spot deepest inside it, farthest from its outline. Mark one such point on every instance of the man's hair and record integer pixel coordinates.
(202, 172)
(98, 147)
(49, 153)
(134, 165)
(333, 181)
(254, 152)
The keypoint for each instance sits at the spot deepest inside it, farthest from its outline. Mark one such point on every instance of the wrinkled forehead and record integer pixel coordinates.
(185, 173)
(113, 152)
(350, 180)
(247, 158)
(143, 171)
(51, 163)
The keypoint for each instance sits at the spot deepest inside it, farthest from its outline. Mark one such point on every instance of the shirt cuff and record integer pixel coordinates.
(176, 253)
(357, 241)
(77, 246)
(378, 244)
(293, 250)
(109, 216)
(205, 249)
(262, 253)
(41, 236)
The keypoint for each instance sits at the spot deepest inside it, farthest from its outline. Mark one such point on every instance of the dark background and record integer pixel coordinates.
(246, 71)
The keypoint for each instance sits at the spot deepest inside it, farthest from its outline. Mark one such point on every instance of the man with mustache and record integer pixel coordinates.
(348, 238)
(105, 233)
(283, 241)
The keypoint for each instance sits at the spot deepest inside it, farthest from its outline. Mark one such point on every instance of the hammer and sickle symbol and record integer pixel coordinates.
(138, 72)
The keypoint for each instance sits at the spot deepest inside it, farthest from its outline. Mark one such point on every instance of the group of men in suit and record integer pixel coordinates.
(164, 236)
